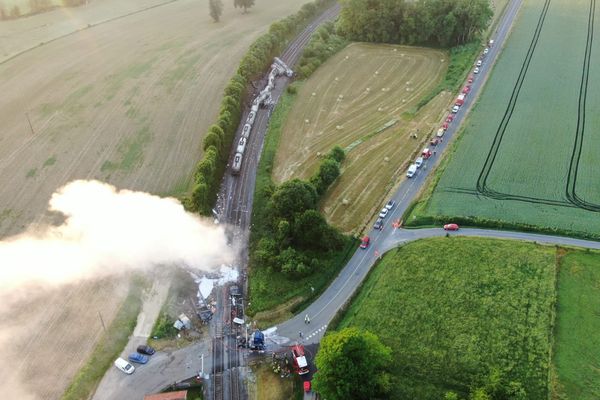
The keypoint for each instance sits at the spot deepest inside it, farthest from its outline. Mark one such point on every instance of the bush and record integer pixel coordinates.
(323, 44)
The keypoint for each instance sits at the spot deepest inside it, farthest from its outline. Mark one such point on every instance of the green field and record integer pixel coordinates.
(528, 155)
(452, 308)
(577, 342)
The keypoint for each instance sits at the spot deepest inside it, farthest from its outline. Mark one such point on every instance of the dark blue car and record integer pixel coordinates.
(138, 358)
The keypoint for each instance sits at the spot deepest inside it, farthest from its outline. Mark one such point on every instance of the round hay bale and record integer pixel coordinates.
(306, 121)
(403, 100)
(338, 127)
(345, 202)
(380, 109)
(313, 94)
(386, 159)
(376, 72)
(336, 78)
(318, 154)
(341, 96)
(395, 49)
(368, 89)
(347, 57)
(407, 83)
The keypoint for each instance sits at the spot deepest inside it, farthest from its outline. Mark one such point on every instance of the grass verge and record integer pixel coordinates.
(461, 61)
(109, 346)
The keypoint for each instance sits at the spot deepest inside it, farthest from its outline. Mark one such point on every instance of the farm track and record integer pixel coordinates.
(573, 200)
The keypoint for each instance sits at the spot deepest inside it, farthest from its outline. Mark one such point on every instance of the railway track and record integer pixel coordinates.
(234, 206)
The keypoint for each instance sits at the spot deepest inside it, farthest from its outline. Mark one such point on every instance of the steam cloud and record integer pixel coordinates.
(107, 231)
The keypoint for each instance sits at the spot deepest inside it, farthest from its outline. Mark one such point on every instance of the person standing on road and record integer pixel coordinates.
(300, 333)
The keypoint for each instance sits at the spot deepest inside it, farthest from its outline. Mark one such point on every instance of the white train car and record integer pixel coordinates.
(251, 117)
(242, 145)
(236, 167)
(246, 131)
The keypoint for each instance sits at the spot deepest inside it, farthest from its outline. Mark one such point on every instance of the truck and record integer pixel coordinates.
(300, 363)
(460, 100)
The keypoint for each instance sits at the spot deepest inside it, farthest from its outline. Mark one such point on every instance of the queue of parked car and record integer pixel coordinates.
(141, 356)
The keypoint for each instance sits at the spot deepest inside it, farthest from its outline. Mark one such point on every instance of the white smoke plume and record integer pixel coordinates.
(107, 231)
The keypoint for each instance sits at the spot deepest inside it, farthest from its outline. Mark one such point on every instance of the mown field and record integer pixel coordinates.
(348, 101)
(126, 101)
(528, 153)
(451, 308)
(577, 343)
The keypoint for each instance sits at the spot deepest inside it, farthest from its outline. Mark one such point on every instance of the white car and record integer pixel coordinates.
(383, 212)
(476, 70)
(479, 62)
(419, 162)
(412, 170)
(455, 109)
(124, 366)
(486, 50)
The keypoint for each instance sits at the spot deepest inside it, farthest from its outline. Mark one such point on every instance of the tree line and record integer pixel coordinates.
(443, 23)
(219, 138)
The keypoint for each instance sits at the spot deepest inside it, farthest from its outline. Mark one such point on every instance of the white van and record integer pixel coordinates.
(419, 162)
(412, 170)
(124, 366)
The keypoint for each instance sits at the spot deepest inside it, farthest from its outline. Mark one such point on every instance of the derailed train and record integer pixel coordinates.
(278, 68)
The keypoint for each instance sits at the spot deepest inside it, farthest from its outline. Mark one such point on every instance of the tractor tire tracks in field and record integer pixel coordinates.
(572, 199)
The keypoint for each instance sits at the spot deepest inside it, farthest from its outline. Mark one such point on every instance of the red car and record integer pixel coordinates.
(450, 118)
(471, 78)
(307, 386)
(466, 89)
(365, 242)
(451, 227)
(435, 141)
(445, 126)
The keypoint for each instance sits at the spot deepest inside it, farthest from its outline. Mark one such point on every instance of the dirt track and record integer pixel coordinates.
(124, 101)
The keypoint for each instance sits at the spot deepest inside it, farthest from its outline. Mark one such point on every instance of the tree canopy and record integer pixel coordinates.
(352, 364)
(216, 9)
(245, 4)
(434, 22)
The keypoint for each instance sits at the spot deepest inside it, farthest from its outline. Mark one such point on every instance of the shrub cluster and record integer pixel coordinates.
(297, 232)
(323, 44)
(219, 138)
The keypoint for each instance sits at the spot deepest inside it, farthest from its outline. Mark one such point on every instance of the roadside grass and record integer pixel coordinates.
(131, 151)
(109, 346)
(461, 61)
(269, 386)
(269, 289)
(577, 342)
(454, 308)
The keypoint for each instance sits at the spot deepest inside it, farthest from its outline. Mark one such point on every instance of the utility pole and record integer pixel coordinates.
(102, 321)
(30, 126)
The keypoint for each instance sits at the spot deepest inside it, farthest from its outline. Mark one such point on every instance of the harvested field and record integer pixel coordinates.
(349, 101)
(126, 101)
(528, 154)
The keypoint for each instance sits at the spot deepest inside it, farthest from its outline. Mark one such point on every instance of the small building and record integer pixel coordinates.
(179, 395)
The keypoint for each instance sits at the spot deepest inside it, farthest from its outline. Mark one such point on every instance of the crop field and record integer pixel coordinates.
(528, 155)
(363, 99)
(126, 101)
(452, 308)
(577, 344)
